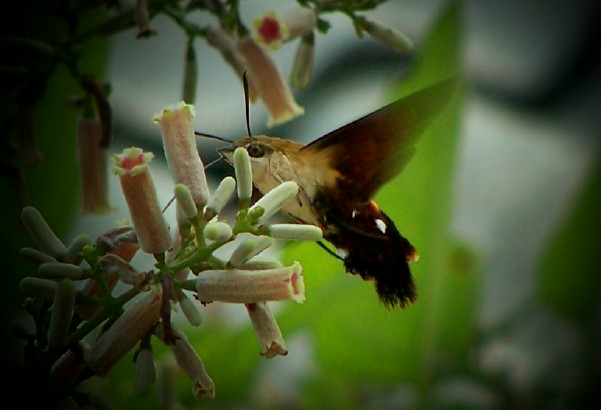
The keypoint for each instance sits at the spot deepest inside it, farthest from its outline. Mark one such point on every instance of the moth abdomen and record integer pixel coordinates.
(376, 251)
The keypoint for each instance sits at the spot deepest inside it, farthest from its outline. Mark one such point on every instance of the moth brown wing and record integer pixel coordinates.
(370, 151)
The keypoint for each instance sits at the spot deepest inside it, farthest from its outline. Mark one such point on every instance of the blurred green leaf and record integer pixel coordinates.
(360, 342)
(569, 277)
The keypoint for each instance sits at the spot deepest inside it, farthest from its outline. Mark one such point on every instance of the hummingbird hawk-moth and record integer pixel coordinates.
(339, 174)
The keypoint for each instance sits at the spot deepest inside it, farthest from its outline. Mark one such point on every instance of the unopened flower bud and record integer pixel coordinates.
(62, 313)
(261, 264)
(124, 333)
(244, 176)
(145, 372)
(35, 256)
(93, 162)
(387, 36)
(264, 75)
(185, 201)
(302, 67)
(267, 330)
(190, 309)
(298, 232)
(222, 194)
(242, 286)
(242, 253)
(217, 231)
(38, 288)
(42, 234)
(57, 270)
(179, 142)
(273, 200)
(140, 193)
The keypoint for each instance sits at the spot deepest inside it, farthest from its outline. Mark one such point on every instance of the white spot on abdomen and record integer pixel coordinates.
(381, 225)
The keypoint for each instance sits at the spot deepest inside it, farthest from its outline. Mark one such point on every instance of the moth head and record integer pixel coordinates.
(260, 149)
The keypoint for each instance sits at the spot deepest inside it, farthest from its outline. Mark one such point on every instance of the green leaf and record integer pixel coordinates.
(569, 277)
(358, 341)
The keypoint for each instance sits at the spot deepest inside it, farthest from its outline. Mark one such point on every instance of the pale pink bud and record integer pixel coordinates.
(267, 330)
(93, 161)
(268, 81)
(246, 286)
(182, 154)
(125, 333)
(140, 193)
(69, 366)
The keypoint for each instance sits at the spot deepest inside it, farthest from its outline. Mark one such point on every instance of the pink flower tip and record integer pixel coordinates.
(131, 161)
(269, 30)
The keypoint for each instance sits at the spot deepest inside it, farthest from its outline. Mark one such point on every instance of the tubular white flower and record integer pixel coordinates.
(244, 175)
(125, 333)
(141, 196)
(93, 161)
(42, 234)
(243, 286)
(182, 154)
(275, 199)
(267, 330)
(298, 232)
(222, 194)
(269, 83)
(189, 361)
(226, 45)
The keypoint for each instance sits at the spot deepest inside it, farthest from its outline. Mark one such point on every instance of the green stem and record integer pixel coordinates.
(108, 311)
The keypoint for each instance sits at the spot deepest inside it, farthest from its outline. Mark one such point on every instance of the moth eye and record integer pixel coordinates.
(255, 150)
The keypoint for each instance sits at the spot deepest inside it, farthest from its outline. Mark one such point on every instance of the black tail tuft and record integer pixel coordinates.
(377, 251)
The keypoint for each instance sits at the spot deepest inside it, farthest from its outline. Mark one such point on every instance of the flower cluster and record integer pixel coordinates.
(78, 281)
(249, 52)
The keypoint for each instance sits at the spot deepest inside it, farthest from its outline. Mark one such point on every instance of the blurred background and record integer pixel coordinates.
(502, 201)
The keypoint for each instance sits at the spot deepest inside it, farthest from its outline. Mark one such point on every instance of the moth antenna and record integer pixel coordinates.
(213, 137)
(246, 103)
